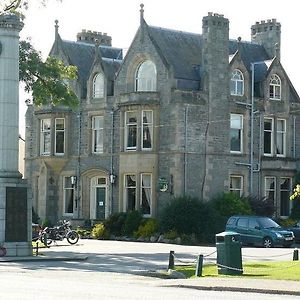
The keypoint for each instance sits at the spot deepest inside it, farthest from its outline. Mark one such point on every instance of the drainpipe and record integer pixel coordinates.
(294, 137)
(78, 187)
(185, 149)
(111, 159)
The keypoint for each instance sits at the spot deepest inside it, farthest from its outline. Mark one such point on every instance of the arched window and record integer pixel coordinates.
(98, 86)
(145, 79)
(275, 87)
(237, 83)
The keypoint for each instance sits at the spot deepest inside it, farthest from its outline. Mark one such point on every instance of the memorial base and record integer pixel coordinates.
(15, 217)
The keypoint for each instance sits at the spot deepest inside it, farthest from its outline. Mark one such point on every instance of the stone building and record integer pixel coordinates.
(181, 114)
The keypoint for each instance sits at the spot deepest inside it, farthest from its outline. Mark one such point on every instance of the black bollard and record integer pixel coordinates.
(199, 266)
(37, 249)
(171, 260)
(296, 254)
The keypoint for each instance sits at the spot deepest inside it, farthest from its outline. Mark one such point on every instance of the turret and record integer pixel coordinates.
(268, 34)
(91, 37)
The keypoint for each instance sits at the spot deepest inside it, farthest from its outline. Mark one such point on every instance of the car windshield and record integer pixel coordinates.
(267, 223)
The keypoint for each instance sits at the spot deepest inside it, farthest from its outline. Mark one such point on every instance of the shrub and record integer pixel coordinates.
(171, 235)
(148, 228)
(295, 211)
(191, 217)
(286, 222)
(132, 222)
(115, 223)
(98, 231)
(229, 204)
(262, 206)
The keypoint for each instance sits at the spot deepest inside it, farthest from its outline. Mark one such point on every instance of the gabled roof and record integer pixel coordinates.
(82, 56)
(183, 52)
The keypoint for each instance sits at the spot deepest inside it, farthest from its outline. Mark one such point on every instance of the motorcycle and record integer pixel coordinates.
(59, 233)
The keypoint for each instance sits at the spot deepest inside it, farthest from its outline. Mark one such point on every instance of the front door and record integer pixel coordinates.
(98, 200)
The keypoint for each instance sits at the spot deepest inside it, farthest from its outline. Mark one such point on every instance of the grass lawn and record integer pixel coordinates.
(285, 270)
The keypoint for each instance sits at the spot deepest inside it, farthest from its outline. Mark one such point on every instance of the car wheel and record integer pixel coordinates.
(268, 242)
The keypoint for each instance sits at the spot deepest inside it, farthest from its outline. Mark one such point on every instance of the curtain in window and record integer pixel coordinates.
(131, 130)
(130, 187)
(146, 194)
(147, 130)
(285, 192)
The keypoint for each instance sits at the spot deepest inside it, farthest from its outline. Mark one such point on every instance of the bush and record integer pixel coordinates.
(262, 206)
(132, 222)
(148, 228)
(295, 211)
(115, 223)
(191, 217)
(99, 231)
(229, 204)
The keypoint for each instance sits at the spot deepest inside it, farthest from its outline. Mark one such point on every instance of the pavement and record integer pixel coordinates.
(169, 277)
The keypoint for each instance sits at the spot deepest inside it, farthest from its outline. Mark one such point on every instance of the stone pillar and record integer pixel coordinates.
(15, 207)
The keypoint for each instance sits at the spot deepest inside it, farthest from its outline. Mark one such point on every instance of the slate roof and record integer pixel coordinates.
(183, 51)
(82, 55)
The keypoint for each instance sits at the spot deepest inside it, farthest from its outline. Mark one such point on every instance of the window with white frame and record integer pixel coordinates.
(236, 184)
(145, 79)
(52, 136)
(237, 83)
(130, 192)
(59, 136)
(285, 193)
(236, 133)
(69, 189)
(97, 134)
(147, 129)
(146, 194)
(268, 136)
(98, 86)
(45, 137)
(275, 87)
(131, 119)
(270, 188)
(281, 137)
(138, 133)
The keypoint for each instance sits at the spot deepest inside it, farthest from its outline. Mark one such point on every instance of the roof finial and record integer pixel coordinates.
(142, 12)
(56, 29)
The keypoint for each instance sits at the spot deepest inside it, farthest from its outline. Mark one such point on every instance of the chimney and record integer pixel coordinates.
(268, 34)
(90, 37)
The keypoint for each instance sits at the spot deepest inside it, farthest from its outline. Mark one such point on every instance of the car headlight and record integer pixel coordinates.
(279, 235)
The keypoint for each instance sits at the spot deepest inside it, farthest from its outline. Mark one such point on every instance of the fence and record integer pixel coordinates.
(199, 261)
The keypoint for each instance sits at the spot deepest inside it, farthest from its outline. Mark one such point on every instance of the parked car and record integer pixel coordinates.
(262, 231)
(296, 230)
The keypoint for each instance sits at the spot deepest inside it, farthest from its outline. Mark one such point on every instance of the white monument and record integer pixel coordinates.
(15, 207)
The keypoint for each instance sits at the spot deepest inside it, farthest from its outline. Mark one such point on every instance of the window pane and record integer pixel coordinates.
(97, 130)
(285, 192)
(130, 192)
(131, 130)
(98, 86)
(146, 77)
(281, 136)
(146, 194)
(268, 136)
(237, 83)
(270, 188)
(59, 136)
(236, 184)
(147, 130)
(45, 137)
(68, 196)
(236, 131)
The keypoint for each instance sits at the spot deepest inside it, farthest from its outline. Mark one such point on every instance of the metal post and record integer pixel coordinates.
(171, 260)
(296, 254)
(251, 129)
(199, 266)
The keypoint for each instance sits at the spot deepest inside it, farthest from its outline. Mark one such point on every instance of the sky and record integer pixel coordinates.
(120, 20)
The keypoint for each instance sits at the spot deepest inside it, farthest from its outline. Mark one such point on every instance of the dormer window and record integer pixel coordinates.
(237, 83)
(275, 87)
(98, 86)
(145, 79)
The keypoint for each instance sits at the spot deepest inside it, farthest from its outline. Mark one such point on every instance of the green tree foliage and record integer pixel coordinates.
(46, 80)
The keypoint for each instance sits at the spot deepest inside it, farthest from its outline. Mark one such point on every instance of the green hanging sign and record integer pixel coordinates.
(163, 184)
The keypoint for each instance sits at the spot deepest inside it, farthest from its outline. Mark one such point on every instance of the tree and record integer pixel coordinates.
(48, 81)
